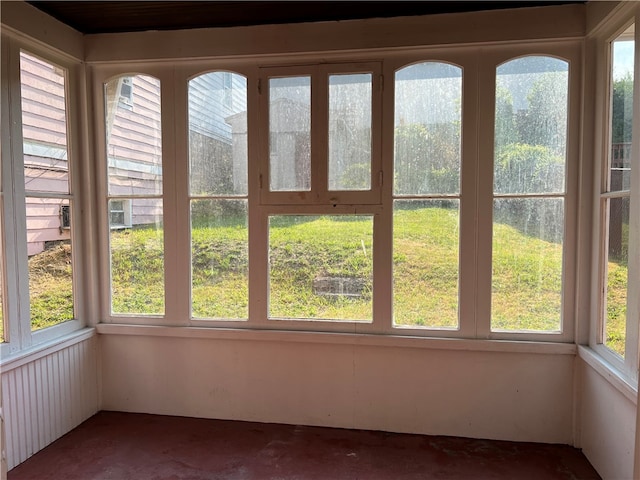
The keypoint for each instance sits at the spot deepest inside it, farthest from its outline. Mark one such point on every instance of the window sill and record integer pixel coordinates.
(43, 349)
(503, 346)
(611, 374)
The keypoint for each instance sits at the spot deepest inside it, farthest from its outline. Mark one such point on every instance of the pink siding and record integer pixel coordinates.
(43, 105)
(134, 144)
(44, 223)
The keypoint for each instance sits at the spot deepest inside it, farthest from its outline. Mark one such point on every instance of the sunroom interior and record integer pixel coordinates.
(431, 218)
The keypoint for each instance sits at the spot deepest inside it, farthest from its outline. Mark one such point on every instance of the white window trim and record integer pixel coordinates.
(476, 195)
(627, 368)
(18, 335)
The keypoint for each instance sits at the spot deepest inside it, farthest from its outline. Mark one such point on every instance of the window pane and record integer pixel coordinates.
(621, 111)
(219, 259)
(425, 263)
(350, 132)
(44, 126)
(616, 274)
(133, 136)
(218, 134)
(527, 264)
(321, 267)
(290, 134)
(531, 126)
(137, 261)
(428, 121)
(50, 266)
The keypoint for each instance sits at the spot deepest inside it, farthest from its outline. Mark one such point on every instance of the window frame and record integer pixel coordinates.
(627, 367)
(319, 193)
(16, 299)
(572, 54)
(100, 78)
(227, 77)
(478, 65)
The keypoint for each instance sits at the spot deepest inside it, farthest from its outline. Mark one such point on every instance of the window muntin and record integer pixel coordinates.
(616, 195)
(426, 218)
(321, 267)
(218, 181)
(350, 119)
(134, 178)
(531, 109)
(47, 188)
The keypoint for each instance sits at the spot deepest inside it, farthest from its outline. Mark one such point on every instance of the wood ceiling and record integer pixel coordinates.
(133, 16)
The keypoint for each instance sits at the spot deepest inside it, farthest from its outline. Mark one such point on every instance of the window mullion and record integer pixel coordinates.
(258, 178)
(484, 203)
(468, 255)
(175, 208)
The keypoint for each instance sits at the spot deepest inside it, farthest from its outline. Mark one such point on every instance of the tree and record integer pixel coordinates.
(622, 109)
(505, 127)
(427, 158)
(545, 122)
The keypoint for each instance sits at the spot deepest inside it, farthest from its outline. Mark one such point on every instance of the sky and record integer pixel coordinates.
(622, 58)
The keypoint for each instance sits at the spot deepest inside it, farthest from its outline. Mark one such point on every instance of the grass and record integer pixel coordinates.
(526, 286)
(306, 248)
(425, 260)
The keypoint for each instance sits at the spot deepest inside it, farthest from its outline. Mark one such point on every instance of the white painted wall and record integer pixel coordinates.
(483, 394)
(607, 421)
(47, 394)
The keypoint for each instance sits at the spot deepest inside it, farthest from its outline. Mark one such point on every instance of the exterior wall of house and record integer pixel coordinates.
(45, 151)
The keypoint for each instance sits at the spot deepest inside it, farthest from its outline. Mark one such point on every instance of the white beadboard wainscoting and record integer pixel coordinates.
(47, 393)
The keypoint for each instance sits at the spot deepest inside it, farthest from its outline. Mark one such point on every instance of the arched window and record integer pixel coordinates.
(218, 195)
(135, 204)
(427, 161)
(530, 150)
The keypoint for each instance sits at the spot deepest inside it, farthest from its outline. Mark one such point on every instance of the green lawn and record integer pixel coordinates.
(526, 273)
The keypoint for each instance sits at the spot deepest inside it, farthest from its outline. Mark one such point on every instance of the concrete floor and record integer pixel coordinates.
(123, 446)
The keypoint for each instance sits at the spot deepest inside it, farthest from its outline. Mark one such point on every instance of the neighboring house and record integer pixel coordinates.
(45, 152)
(134, 149)
(217, 138)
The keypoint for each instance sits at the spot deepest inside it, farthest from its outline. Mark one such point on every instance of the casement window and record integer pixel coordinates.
(38, 198)
(386, 195)
(320, 143)
(134, 186)
(618, 309)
